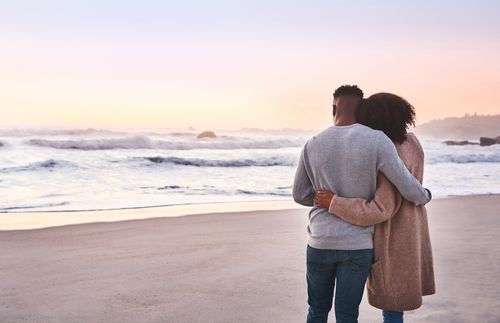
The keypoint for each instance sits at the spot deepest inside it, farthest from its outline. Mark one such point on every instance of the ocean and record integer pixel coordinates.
(89, 169)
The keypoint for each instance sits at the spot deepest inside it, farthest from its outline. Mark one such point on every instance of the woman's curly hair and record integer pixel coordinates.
(387, 112)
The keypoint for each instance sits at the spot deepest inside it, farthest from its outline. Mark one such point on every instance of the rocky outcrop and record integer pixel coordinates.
(206, 134)
(459, 143)
(485, 141)
(469, 126)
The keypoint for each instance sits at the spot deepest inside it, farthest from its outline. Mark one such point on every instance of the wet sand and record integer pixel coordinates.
(224, 267)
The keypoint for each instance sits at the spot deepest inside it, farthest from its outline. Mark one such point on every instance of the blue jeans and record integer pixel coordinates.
(392, 317)
(349, 270)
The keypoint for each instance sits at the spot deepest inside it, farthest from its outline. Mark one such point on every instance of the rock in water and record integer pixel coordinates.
(485, 141)
(459, 143)
(206, 134)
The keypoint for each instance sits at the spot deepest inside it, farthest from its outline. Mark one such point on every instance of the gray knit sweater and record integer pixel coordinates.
(345, 160)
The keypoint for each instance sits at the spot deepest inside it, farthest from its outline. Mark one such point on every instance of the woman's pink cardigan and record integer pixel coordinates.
(402, 271)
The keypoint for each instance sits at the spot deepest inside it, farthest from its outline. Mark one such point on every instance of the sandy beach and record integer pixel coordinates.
(221, 267)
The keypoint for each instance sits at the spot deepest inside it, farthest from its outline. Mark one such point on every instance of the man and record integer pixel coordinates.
(345, 159)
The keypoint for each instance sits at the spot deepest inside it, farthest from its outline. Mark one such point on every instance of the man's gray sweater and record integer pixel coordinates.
(345, 160)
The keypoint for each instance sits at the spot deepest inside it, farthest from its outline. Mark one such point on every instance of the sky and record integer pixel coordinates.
(233, 64)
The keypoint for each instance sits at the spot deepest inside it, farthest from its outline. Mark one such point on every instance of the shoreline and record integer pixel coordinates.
(194, 204)
(32, 220)
(14, 221)
(143, 207)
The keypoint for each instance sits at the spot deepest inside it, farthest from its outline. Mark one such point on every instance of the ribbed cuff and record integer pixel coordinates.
(337, 206)
(429, 193)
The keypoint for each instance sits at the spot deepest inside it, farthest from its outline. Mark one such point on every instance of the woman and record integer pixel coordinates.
(402, 271)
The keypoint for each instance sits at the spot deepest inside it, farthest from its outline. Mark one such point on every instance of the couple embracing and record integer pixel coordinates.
(362, 177)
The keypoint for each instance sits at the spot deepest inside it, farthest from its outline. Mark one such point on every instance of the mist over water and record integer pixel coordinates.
(100, 169)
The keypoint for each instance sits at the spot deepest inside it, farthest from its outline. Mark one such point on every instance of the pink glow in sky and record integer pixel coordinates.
(236, 64)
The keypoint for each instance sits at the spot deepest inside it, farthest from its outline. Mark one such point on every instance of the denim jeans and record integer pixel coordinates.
(348, 270)
(392, 317)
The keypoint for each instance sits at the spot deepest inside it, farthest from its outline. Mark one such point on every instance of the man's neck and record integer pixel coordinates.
(344, 121)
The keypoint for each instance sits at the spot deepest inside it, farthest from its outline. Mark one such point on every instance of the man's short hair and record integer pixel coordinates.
(353, 90)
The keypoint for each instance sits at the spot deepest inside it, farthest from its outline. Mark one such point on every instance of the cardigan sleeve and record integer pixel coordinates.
(390, 163)
(358, 211)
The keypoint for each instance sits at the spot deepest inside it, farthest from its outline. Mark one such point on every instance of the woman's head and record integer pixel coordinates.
(388, 113)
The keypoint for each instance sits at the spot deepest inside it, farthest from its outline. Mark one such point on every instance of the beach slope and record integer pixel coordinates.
(226, 267)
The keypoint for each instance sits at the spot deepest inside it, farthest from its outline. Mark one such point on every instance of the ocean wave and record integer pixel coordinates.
(275, 193)
(292, 161)
(136, 142)
(288, 187)
(35, 206)
(58, 132)
(211, 190)
(144, 142)
(226, 192)
(49, 164)
(169, 187)
(92, 132)
(25, 132)
(198, 162)
(463, 159)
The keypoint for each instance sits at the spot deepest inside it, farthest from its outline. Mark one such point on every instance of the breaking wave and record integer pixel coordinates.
(211, 190)
(136, 142)
(265, 162)
(49, 164)
(464, 159)
(144, 142)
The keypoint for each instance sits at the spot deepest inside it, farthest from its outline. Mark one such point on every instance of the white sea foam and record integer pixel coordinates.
(493, 157)
(144, 142)
(32, 206)
(198, 162)
(135, 142)
(49, 164)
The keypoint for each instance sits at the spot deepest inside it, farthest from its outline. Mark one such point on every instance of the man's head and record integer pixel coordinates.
(346, 100)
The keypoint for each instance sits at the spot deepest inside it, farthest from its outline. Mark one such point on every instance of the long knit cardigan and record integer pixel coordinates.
(402, 271)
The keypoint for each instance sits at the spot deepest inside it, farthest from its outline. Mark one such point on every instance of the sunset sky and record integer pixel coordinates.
(232, 64)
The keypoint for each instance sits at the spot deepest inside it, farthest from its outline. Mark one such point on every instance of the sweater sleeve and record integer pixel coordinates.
(389, 163)
(358, 211)
(303, 191)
